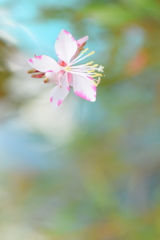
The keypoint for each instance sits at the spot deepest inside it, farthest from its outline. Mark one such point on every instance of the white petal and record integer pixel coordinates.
(60, 92)
(84, 87)
(54, 77)
(44, 63)
(65, 46)
(82, 40)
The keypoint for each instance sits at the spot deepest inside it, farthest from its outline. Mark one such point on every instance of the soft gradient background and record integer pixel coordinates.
(86, 171)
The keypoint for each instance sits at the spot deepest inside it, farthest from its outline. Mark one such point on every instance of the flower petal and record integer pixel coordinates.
(54, 77)
(84, 87)
(60, 92)
(82, 40)
(65, 46)
(44, 63)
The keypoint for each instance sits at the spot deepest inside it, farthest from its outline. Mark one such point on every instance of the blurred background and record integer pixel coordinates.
(86, 171)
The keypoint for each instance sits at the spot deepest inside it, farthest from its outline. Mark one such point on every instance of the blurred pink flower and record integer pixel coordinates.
(83, 78)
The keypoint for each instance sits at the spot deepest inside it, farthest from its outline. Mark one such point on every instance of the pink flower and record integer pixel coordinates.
(64, 73)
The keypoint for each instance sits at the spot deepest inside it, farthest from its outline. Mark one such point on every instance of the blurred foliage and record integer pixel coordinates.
(5, 73)
(88, 170)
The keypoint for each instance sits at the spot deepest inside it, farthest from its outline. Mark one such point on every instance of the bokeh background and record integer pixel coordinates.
(86, 171)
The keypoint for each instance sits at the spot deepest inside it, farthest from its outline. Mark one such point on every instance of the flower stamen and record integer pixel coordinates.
(75, 60)
(89, 63)
(46, 80)
(97, 75)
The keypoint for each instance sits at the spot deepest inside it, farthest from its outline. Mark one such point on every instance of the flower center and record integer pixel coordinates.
(88, 70)
(67, 68)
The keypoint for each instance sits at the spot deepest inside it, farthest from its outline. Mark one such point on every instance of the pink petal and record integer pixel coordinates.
(84, 87)
(60, 92)
(59, 102)
(65, 46)
(82, 40)
(44, 63)
(82, 95)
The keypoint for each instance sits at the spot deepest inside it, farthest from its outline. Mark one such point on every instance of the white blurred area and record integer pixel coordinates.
(36, 110)
(18, 232)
